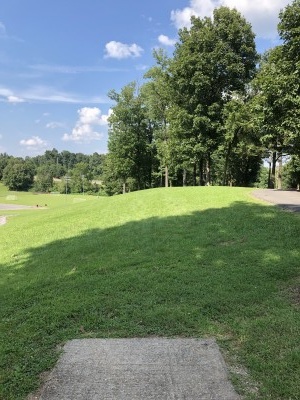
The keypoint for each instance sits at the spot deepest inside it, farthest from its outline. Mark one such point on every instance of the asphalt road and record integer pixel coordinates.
(286, 199)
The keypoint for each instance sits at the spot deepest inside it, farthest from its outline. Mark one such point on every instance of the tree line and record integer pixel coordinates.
(212, 112)
(64, 172)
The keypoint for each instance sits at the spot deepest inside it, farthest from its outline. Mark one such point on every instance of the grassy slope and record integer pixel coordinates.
(191, 262)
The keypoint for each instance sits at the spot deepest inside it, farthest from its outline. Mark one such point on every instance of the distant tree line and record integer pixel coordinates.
(211, 113)
(64, 172)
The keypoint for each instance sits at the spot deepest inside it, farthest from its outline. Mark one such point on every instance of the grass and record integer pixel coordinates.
(188, 262)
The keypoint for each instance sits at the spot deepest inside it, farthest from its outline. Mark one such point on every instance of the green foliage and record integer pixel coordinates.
(130, 138)
(56, 165)
(44, 178)
(241, 147)
(210, 119)
(215, 58)
(291, 173)
(80, 178)
(4, 158)
(157, 96)
(263, 178)
(18, 174)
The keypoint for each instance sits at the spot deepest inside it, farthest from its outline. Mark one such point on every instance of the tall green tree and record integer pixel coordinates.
(213, 59)
(81, 178)
(158, 98)
(273, 102)
(241, 146)
(130, 138)
(44, 178)
(289, 31)
(18, 174)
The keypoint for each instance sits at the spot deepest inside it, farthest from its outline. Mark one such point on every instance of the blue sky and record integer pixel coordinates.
(60, 58)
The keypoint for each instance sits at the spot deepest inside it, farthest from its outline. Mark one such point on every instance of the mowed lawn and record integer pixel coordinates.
(177, 262)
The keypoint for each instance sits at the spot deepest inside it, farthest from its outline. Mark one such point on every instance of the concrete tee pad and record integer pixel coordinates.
(139, 369)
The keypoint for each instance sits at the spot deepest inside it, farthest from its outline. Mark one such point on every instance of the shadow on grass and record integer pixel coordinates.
(219, 272)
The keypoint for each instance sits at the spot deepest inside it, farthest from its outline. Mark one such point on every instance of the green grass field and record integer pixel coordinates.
(177, 262)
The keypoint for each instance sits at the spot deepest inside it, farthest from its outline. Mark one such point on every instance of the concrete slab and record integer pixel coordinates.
(139, 369)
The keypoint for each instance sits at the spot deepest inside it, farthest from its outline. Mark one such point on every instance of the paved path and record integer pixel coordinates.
(15, 207)
(286, 199)
(11, 207)
(139, 369)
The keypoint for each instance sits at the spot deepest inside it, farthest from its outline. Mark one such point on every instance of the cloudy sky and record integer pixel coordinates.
(59, 59)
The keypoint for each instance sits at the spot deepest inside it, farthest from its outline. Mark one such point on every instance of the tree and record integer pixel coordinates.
(113, 182)
(80, 178)
(130, 138)
(213, 59)
(18, 174)
(4, 159)
(158, 98)
(44, 178)
(291, 173)
(96, 162)
(275, 105)
(241, 147)
(289, 31)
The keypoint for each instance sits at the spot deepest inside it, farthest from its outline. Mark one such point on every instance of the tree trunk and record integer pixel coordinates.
(269, 175)
(279, 175)
(201, 177)
(184, 178)
(208, 178)
(228, 152)
(195, 175)
(166, 176)
(273, 170)
(124, 187)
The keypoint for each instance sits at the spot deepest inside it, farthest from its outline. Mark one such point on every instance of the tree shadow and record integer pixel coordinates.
(217, 272)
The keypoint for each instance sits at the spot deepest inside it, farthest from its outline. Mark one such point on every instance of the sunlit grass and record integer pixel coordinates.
(191, 262)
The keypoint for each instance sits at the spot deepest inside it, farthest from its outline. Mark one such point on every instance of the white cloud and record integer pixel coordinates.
(166, 41)
(92, 115)
(262, 14)
(54, 125)
(142, 67)
(121, 50)
(8, 96)
(15, 99)
(44, 94)
(85, 130)
(34, 143)
(71, 69)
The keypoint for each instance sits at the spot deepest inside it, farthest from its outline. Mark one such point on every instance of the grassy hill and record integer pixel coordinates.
(189, 262)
